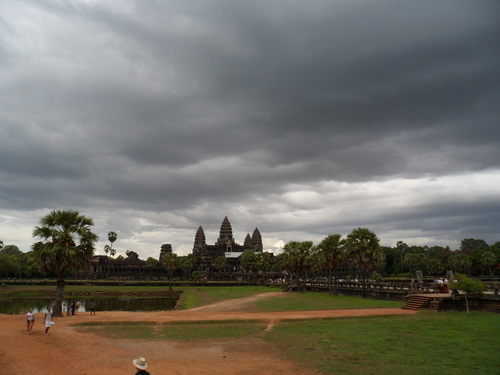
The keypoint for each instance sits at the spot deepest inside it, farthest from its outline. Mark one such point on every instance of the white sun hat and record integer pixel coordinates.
(140, 363)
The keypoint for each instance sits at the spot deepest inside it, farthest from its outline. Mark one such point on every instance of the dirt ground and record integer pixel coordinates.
(66, 351)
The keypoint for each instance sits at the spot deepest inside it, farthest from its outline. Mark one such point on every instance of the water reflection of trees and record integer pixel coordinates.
(13, 306)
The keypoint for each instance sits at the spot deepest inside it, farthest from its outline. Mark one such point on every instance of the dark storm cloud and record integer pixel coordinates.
(199, 108)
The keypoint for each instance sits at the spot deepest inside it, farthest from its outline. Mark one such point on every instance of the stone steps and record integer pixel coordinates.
(416, 302)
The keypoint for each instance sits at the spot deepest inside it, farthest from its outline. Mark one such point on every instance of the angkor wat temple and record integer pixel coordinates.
(205, 256)
(225, 246)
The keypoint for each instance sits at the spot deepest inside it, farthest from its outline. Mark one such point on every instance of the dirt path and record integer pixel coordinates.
(65, 351)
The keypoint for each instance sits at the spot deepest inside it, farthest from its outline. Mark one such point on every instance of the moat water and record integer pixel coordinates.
(14, 306)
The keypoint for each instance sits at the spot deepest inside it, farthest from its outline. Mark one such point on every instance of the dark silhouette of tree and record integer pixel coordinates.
(332, 252)
(67, 243)
(363, 252)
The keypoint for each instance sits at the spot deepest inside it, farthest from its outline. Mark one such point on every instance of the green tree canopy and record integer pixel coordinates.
(364, 253)
(66, 243)
(332, 252)
(170, 262)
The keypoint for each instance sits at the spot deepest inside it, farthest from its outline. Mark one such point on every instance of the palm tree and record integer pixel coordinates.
(363, 251)
(170, 263)
(67, 243)
(332, 251)
(112, 238)
(298, 258)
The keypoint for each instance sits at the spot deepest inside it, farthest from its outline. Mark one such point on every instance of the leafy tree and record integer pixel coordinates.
(298, 258)
(151, 262)
(8, 265)
(67, 243)
(467, 286)
(15, 263)
(460, 263)
(11, 250)
(417, 262)
(333, 253)
(264, 262)
(435, 267)
(220, 263)
(186, 264)
(197, 275)
(440, 253)
(170, 263)
(248, 262)
(364, 253)
(469, 245)
(488, 259)
(402, 249)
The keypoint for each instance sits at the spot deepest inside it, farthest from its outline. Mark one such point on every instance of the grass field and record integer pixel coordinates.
(448, 343)
(427, 343)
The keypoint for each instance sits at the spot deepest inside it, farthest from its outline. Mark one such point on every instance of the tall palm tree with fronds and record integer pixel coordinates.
(170, 262)
(299, 259)
(66, 243)
(112, 238)
(333, 254)
(363, 252)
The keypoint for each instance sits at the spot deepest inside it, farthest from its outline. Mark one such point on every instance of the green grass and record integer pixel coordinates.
(427, 343)
(185, 331)
(201, 296)
(320, 301)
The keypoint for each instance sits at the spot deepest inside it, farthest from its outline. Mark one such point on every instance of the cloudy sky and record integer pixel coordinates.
(301, 118)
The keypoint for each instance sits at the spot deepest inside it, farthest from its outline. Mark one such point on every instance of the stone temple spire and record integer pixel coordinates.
(248, 242)
(199, 239)
(226, 232)
(257, 241)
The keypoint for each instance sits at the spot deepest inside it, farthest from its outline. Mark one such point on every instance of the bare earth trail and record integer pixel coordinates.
(66, 351)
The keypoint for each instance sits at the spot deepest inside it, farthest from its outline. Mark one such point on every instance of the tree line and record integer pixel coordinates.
(66, 243)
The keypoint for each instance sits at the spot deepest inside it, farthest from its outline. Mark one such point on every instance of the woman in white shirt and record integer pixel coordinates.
(30, 321)
(48, 320)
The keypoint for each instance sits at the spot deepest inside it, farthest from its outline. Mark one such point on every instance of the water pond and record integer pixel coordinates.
(14, 306)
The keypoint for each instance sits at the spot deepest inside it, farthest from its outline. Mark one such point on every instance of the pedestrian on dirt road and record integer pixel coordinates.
(141, 365)
(48, 320)
(68, 309)
(92, 307)
(30, 321)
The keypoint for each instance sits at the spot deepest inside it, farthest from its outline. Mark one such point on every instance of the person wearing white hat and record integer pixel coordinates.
(141, 365)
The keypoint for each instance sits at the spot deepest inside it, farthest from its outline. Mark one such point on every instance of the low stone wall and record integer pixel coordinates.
(459, 304)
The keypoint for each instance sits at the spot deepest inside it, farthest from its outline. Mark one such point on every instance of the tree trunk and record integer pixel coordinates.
(364, 284)
(336, 283)
(57, 308)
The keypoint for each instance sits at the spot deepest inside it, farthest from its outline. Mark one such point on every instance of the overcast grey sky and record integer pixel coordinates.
(301, 118)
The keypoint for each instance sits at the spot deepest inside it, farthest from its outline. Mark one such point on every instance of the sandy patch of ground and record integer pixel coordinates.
(66, 351)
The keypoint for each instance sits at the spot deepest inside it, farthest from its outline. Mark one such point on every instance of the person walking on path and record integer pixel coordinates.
(48, 320)
(73, 307)
(141, 365)
(68, 309)
(92, 307)
(30, 321)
